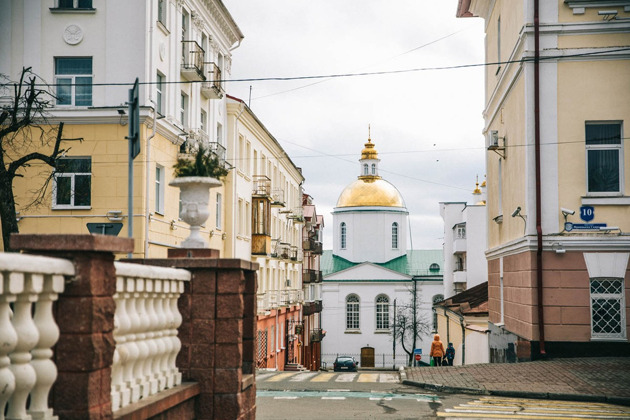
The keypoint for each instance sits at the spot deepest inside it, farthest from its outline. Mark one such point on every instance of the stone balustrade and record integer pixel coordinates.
(28, 287)
(145, 331)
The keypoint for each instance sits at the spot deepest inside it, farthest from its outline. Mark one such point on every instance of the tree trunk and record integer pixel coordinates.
(7, 210)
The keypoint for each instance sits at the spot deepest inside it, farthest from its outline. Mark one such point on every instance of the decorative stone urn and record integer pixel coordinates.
(194, 193)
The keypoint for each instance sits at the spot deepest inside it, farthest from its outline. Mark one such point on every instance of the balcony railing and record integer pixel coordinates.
(145, 331)
(317, 334)
(296, 214)
(212, 88)
(28, 332)
(218, 149)
(277, 197)
(192, 61)
(262, 186)
(311, 245)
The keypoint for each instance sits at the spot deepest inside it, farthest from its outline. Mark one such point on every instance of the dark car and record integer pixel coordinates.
(345, 363)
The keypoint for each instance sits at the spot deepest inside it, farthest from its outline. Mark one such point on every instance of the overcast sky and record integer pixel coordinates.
(426, 125)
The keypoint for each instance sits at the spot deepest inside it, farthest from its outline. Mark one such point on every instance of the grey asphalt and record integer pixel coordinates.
(596, 379)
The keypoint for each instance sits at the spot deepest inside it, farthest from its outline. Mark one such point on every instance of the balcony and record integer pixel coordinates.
(283, 250)
(262, 186)
(212, 88)
(311, 276)
(459, 246)
(294, 253)
(311, 245)
(459, 277)
(192, 61)
(297, 215)
(277, 197)
(317, 334)
(311, 308)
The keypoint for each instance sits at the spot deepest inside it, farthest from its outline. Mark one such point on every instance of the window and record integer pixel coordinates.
(607, 308)
(162, 12)
(352, 312)
(218, 220)
(343, 235)
(434, 268)
(74, 4)
(239, 224)
(72, 183)
(219, 133)
(159, 189)
(159, 86)
(202, 121)
(185, 25)
(382, 312)
(365, 169)
(374, 169)
(183, 110)
(73, 77)
(460, 231)
(394, 235)
(604, 158)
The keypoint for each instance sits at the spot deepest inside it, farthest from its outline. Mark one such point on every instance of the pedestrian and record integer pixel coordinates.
(437, 350)
(450, 354)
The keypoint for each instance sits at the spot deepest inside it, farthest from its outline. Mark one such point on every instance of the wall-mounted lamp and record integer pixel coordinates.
(517, 213)
(558, 248)
(211, 233)
(173, 225)
(114, 215)
(609, 229)
(122, 113)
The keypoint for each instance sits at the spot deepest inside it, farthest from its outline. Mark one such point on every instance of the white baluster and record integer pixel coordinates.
(119, 338)
(134, 350)
(141, 338)
(161, 341)
(165, 367)
(8, 338)
(45, 368)
(177, 289)
(28, 337)
(151, 337)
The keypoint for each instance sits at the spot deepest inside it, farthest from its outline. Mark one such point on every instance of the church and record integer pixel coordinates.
(370, 276)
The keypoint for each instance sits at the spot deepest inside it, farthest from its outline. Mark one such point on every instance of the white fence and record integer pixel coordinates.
(146, 323)
(27, 335)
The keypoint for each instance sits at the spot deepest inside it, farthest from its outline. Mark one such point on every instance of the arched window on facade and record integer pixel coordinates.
(342, 235)
(374, 169)
(382, 312)
(395, 235)
(352, 312)
(366, 170)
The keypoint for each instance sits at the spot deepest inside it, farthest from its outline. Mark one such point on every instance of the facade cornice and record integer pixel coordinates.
(563, 242)
(221, 17)
(370, 209)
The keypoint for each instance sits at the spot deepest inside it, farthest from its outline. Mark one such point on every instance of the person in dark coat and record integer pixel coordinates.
(450, 354)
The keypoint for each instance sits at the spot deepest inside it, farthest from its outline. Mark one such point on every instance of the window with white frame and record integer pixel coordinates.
(604, 158)
(72, 183)
(159, 89)
(218, 219)
(394, 235)
(382, 312)
(219, 133)
(74, 4)
(183, 109)
(607, 308)
(161, 11)
(239, 227)
(159, 189)
(352, 312)
(460, 231)
(366, 170)
(203, 118)
(374, 169)
(73, 77)
(342, 235)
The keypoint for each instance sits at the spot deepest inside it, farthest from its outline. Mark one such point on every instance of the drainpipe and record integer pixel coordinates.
(539, 248)
(147, 217)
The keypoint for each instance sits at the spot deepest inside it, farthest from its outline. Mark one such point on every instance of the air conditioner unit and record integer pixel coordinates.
(493, 140)
(288, 283)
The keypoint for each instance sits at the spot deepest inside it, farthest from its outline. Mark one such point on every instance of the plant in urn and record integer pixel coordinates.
(194, 176)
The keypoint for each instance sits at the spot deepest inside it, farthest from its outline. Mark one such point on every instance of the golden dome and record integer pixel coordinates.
(369, 152)
(370, 192)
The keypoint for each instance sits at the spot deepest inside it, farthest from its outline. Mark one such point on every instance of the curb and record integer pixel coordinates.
(611, 399)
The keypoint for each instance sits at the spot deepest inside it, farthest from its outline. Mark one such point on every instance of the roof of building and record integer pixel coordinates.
(370, 192)
(418, 263)
(473, 301)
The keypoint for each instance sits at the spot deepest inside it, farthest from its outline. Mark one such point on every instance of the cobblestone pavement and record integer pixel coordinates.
(592, 379)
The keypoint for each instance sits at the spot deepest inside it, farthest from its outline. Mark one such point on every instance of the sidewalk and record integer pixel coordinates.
(605, 379)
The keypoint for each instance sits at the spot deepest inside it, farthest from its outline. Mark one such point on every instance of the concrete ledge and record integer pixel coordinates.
(192, 263)
(522, 394)
(65, 243)
(158, 403)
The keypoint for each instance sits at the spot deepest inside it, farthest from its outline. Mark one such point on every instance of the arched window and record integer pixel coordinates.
(352, 312)
(342, 235)
(382, 312)
(366, 170)
(374, 169)
(395, 235)
(434, 267)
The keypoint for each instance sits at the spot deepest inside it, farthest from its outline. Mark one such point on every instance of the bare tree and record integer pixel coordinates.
(26, 135)
(410, 324)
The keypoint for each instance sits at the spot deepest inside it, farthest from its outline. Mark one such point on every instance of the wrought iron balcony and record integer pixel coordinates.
(192, 61)
(212, 88)
(317, 334)
(311, 245)
(262, 186)
(297, 215)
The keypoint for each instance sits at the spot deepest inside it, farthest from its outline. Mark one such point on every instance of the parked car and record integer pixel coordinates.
(345, 363)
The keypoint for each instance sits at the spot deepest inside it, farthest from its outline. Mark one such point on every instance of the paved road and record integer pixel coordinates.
(376, 395)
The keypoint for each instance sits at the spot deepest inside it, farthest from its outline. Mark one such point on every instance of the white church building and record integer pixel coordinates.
(370, 273)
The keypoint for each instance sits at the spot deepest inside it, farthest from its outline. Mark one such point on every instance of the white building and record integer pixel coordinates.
(465, 243)
(370, 271)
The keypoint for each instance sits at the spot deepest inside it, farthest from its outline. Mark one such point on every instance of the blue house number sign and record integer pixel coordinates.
(587, 213)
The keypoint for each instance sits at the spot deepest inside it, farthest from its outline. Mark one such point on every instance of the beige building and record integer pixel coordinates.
(556, 110)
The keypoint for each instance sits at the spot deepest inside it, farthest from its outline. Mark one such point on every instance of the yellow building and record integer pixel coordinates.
(558, 170)
(91, 52)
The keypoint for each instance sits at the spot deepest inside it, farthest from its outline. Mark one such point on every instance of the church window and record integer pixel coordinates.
(374, 169)
(352, 312)
(382, 312)
(343, 235)
(365, 169)
(395, 235)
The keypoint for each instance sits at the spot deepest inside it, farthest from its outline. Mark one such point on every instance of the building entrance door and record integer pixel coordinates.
(367, 356)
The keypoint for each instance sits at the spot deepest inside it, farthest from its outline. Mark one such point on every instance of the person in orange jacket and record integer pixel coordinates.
(437, 350)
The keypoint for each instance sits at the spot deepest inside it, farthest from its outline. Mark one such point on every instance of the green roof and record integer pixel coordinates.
(415, 263)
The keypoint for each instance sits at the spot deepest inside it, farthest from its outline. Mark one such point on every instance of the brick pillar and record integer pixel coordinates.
(218, 309)
(85, 316)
